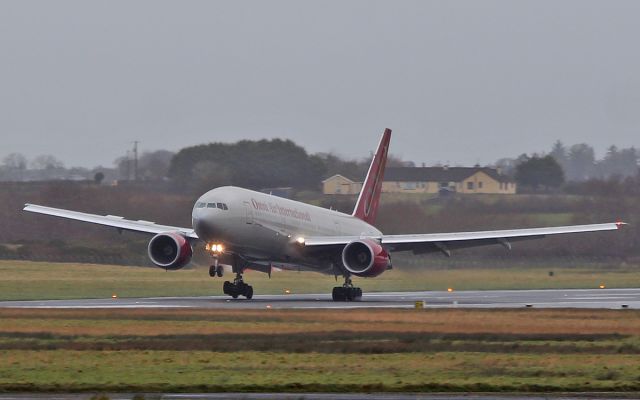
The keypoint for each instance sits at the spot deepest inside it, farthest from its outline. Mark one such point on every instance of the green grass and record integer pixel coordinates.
(319, 350)
(172, 371)
(552, 219)
(21, 280)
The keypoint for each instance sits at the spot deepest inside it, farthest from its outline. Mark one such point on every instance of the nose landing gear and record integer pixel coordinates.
(215, 250)
(346, 292)
(216, 269)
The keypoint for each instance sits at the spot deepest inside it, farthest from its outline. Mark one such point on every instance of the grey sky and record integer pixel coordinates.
(458, 81)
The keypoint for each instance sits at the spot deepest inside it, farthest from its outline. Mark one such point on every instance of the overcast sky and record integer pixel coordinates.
(458, 81)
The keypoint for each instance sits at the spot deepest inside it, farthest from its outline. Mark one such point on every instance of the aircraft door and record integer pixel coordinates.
(248, 213)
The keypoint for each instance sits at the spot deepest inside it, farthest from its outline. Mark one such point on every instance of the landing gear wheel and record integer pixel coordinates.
(219, 271)
(346, 292)
(215, 268)
(231, 289)
(238, 288)
(350, 294)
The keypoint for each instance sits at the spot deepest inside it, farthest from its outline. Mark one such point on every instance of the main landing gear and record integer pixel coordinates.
(346, 292)
(238, 288)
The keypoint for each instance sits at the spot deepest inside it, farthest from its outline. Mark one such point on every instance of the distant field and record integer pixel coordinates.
(22, 280)
(319, 350)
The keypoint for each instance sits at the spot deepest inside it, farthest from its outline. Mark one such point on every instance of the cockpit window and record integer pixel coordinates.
(221, 206)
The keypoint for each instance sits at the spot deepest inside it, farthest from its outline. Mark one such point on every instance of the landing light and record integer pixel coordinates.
(300, 240)
(214, 247)
(449, 289)
(602, 286)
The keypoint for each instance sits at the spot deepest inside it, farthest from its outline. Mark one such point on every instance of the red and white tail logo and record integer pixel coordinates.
(367, 206)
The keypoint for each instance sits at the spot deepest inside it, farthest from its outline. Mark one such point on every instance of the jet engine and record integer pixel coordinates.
(365, 258)
(170, 250)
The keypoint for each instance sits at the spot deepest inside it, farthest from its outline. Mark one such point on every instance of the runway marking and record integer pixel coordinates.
(568, 298)
(102, 306)
(602, 298)
(352, 306)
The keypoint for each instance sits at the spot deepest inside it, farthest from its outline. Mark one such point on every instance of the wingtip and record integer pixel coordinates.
(620, 224)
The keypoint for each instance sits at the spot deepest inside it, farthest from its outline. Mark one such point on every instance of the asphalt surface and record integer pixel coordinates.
(316, 396)
(564, 298)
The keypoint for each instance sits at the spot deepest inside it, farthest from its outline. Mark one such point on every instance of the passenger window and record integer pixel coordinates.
(224, 206)
(211, 205)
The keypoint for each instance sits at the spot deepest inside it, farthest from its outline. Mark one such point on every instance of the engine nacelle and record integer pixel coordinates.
(170, 250)
(366, 258)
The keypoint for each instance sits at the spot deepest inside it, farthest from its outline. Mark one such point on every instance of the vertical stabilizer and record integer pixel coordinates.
(367, 206)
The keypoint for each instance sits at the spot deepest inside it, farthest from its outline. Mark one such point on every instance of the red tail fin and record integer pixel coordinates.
(367, 206)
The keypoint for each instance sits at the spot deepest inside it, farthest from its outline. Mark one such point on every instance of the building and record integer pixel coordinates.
(339, 184)
(467, 180)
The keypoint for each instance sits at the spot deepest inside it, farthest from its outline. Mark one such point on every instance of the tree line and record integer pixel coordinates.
(282, 163)
(574, 168)
(16, 167)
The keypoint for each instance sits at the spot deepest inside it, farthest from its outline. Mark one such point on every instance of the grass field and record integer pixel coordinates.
(319, 350)
(24, 280)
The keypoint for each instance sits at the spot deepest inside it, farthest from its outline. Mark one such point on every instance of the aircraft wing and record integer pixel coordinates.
(119, 223)
(424, 243)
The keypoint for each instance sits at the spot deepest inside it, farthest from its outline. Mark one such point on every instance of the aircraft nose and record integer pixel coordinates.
(205, 226)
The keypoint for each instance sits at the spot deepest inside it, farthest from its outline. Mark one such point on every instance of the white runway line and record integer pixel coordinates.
(551, 298)
(103, 306)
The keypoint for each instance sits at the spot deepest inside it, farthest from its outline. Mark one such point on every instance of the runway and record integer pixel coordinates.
(322, 396)
(560, 298)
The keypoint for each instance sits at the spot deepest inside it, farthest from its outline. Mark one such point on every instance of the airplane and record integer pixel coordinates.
(259, 231)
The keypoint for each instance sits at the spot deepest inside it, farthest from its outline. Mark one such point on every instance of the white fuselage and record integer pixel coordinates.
(266, 227)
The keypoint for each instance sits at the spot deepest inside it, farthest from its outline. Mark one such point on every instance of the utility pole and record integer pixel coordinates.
(135, 160)
(128, 165)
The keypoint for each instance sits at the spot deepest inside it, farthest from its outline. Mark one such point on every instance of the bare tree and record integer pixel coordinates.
(155, 165)
(46, 162)
(123, 166)
(15, 161)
